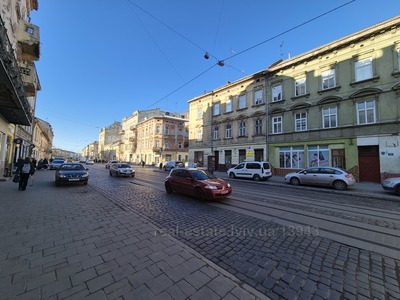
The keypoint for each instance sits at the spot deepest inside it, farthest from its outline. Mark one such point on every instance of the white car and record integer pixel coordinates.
(110, 162)
(257, 170)
(392, 184)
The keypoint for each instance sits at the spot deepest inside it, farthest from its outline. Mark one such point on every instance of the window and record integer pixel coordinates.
(366, 112)
(199, 134)
(258, 97)
(216, 133)
(363, 69)
(199, 113)
(301, 121)
(216, 109)
(228, 105)
(318, 156)
(228, 131)
(166, 130)
(242, 128)
(242, 101)
(179, 147)
(258, 127)
(328, 79)
(300, 87)
(158, 129)
(329, 117)
(291, 157)
(277, 124)
(277, 93)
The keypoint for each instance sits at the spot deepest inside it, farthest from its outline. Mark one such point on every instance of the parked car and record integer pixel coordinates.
(324, 176)
(121, 169)
(56, 163)
(110, 162)
(257, 170)
(392, 184)
(90, 162)
(169, 165)
(198, 183)
(82, 160)
(71, 173)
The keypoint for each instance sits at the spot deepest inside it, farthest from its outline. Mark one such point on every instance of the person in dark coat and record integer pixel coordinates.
(25, 169)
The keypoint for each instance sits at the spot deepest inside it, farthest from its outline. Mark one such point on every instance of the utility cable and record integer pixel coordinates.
(289, 30)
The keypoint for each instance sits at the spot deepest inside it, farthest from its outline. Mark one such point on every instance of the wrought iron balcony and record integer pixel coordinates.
(28, 41)
(14, 106)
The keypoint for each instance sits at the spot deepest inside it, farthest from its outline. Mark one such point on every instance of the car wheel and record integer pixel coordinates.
(232, 175)
(339, 185)
(397, 190)
(132, 176)
(57, 183)
(257, 177)
(85, 183)
(110, 173)
(200, 194)
(294, 181)
(168, 188)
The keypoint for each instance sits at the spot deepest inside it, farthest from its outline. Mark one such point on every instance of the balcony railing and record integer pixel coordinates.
(28, 41)
(15, 107)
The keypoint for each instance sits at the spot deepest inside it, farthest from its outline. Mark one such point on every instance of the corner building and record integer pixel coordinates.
(336, 105)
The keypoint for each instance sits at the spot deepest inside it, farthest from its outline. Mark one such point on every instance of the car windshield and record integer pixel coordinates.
(58, 162)
(202, 175)
(72, 167)
(123, 166)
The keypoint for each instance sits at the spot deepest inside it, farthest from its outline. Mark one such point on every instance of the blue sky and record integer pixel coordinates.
(102, 60)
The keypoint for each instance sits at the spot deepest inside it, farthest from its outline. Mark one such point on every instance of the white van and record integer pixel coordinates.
(257, 170)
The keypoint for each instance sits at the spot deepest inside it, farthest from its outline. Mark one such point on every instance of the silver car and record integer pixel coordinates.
(121, 169)
(392, 184)
(325, 176)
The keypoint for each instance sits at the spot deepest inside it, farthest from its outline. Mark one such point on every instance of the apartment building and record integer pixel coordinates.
(91, 151)
(19, 49)
(128, 138)
(338, 105)
(109, 140)
(228, 125)
(42, 139)
(162, 138)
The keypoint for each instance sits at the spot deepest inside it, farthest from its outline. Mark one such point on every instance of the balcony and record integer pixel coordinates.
(29, 78)
(28, 41)
(156, 149)
(14, 106)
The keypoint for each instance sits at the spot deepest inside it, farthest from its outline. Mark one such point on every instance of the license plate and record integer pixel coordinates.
(73, 179)
(225, 192)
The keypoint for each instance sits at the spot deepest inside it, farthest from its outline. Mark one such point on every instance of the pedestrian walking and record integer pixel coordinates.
(143, 163)
(25, 169)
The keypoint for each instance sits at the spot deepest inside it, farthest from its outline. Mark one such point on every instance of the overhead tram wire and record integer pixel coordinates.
(291, 29)
(221, 62)
(182, 86)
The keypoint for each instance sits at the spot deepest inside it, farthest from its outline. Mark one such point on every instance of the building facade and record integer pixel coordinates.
(108, 138)
(338, 105)
(19, 49)
(162, 138)
(42, 139)
(227, 125)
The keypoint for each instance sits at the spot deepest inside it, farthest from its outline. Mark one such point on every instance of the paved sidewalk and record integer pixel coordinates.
(73, 242)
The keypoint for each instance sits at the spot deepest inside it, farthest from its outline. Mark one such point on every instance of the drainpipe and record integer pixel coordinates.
(267, 116)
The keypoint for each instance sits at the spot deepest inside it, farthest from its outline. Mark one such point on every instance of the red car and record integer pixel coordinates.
(197, 182)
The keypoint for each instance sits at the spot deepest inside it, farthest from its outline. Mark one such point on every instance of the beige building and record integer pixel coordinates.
(128, 138)
(162, 138)
(109, 141)
(227, 125)
(42, 139)
(19, 48)
(91, 151)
